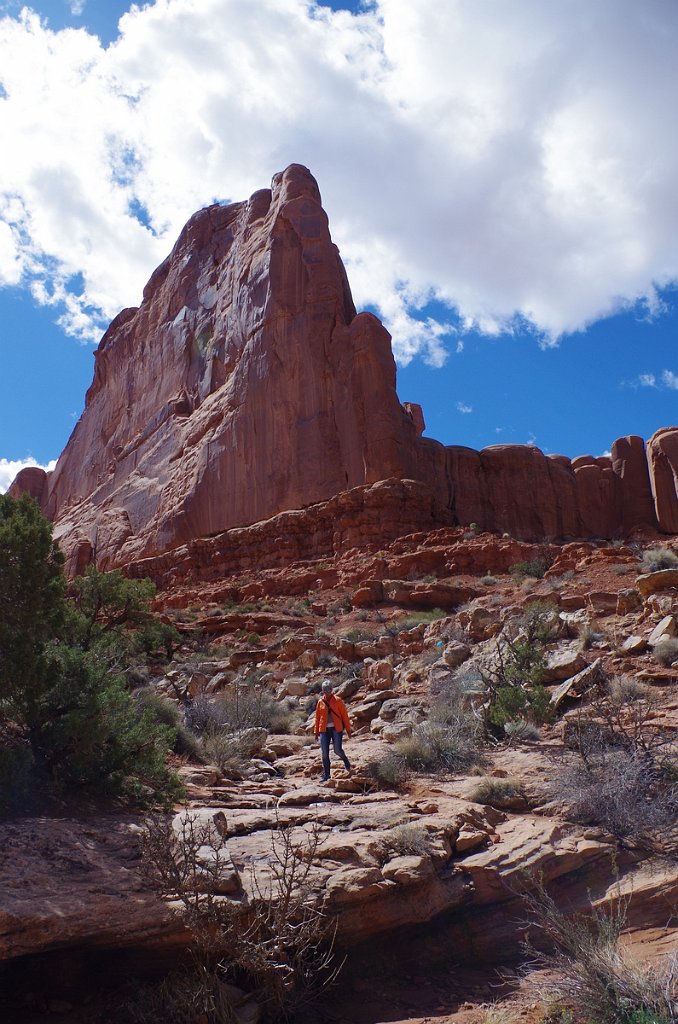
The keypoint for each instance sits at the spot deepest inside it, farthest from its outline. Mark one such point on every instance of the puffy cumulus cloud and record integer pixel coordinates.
(510, 161)
(10, 467)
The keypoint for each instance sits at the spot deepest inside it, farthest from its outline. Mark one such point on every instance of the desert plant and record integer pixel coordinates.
(203, 715)
(513, 678)
(624, 790)
(449, 745)
(406, 840)
(164, 711)
(194, 993)
(282, 941)
(520, 731)
(594, 976)
(533, 567)
(490, 790)
(389, 771)
(250, 704)
(589, 633)
(622, 714)
(225, 750)
(355, 635)
(666, 651)
(16, 774)
(659, 558)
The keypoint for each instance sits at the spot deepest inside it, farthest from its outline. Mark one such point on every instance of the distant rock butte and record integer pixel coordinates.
(246, 385)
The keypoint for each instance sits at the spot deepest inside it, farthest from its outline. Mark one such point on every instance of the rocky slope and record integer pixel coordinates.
(246, 385)
(391, 628)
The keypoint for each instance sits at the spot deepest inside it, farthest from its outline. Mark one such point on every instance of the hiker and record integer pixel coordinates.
(331, 718)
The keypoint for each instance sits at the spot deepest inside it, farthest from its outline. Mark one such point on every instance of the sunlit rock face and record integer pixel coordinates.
(243, 385)
(246, 385)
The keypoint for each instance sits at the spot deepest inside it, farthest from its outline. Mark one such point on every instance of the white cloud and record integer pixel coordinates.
(511, 161)
(77, 7)
(464, 408)
(666, 381)
(10, 467)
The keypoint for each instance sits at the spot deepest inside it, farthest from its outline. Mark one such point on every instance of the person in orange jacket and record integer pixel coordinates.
(331, 719)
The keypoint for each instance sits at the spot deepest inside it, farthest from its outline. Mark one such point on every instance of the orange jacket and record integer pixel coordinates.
(331, 704)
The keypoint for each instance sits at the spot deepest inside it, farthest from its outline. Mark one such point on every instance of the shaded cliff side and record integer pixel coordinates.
(246, 385)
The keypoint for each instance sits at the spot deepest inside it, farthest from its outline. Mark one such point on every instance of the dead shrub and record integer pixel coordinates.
(596, 979)
(625, 791)
(280, 941)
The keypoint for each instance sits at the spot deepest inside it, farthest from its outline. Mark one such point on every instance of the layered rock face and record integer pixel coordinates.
(246, 385)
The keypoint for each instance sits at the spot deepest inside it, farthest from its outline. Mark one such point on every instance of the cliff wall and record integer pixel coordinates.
(246, 385)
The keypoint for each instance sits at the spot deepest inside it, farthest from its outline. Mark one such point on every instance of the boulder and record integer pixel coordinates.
(380, 675)
(664, 630)
(579, 683)
(564, 662)
(652, 582)
(634, 645)
(408, 870)
(456, 653)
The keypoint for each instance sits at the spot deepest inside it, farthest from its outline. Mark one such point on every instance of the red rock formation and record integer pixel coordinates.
(246, 385)
(30, 480)
(663, 458)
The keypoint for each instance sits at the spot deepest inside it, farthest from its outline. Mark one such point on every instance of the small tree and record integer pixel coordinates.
(513, 681)
(61, 699)
(32, 606)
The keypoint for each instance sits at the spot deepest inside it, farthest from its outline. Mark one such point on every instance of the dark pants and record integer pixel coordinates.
(334, 737)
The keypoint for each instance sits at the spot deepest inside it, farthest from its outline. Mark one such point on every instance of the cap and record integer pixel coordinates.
(327, 686)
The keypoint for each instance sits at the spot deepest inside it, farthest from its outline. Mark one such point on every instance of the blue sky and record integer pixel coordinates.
(499, 178)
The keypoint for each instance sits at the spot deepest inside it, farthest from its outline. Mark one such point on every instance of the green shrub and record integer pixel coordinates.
(535, 568)
(92, 735)
(659, 558)
(61, 664)
(165, 712)
(414, 619)
(16, 775)
(513, 682)
(512, 703)
(355, 635)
